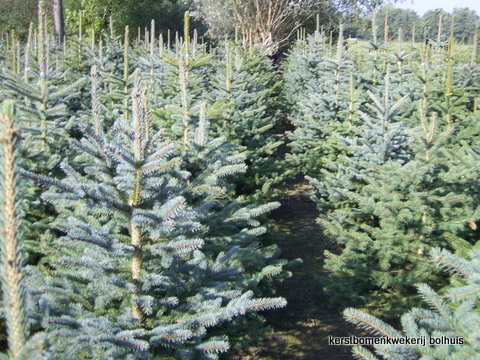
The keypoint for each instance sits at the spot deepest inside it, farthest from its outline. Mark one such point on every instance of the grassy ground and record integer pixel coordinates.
(301, 330)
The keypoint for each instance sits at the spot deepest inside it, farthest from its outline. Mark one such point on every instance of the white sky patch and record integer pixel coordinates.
(422, 6)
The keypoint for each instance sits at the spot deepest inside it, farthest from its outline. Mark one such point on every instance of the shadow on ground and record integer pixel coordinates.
(301, 330)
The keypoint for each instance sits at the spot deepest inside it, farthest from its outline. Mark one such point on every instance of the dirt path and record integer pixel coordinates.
(301, 330)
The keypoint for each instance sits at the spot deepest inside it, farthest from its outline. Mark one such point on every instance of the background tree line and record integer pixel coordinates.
(407, 24)
(214, 18)
(96, 14)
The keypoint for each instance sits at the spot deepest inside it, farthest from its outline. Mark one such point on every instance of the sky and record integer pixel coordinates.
(421, 6)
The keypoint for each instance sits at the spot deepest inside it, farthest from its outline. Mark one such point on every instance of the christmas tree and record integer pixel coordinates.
(242, 93)
(134, 262)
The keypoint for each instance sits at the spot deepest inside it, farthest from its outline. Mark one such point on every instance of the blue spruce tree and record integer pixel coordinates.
(135, 276)
(243, 111)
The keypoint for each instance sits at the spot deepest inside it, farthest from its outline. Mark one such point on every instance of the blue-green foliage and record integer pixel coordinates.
(389, 193)
(390, 213)
(47, 97)
(242, 97)
(239, 89)
(16, 305)
(453, 316)
(362, 180)
(177, 79)
(318, 90)
(136, 274)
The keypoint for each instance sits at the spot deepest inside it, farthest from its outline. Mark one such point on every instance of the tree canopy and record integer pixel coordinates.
(98, 14)
(17, 15)
(268, 23)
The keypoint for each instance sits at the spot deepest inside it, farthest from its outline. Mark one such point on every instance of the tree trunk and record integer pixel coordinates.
(59, 21)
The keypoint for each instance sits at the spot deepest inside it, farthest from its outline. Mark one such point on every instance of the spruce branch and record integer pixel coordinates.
(361, 353)
(369, 322)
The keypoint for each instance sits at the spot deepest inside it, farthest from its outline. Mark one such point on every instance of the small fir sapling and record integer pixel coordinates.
(316, 92)
(345, 194)
(180, 84)
(243, 111)
(326, 99)
(380, 136)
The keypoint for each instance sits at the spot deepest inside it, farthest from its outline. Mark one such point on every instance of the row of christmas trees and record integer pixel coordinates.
(134, 231)
(389, 139)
